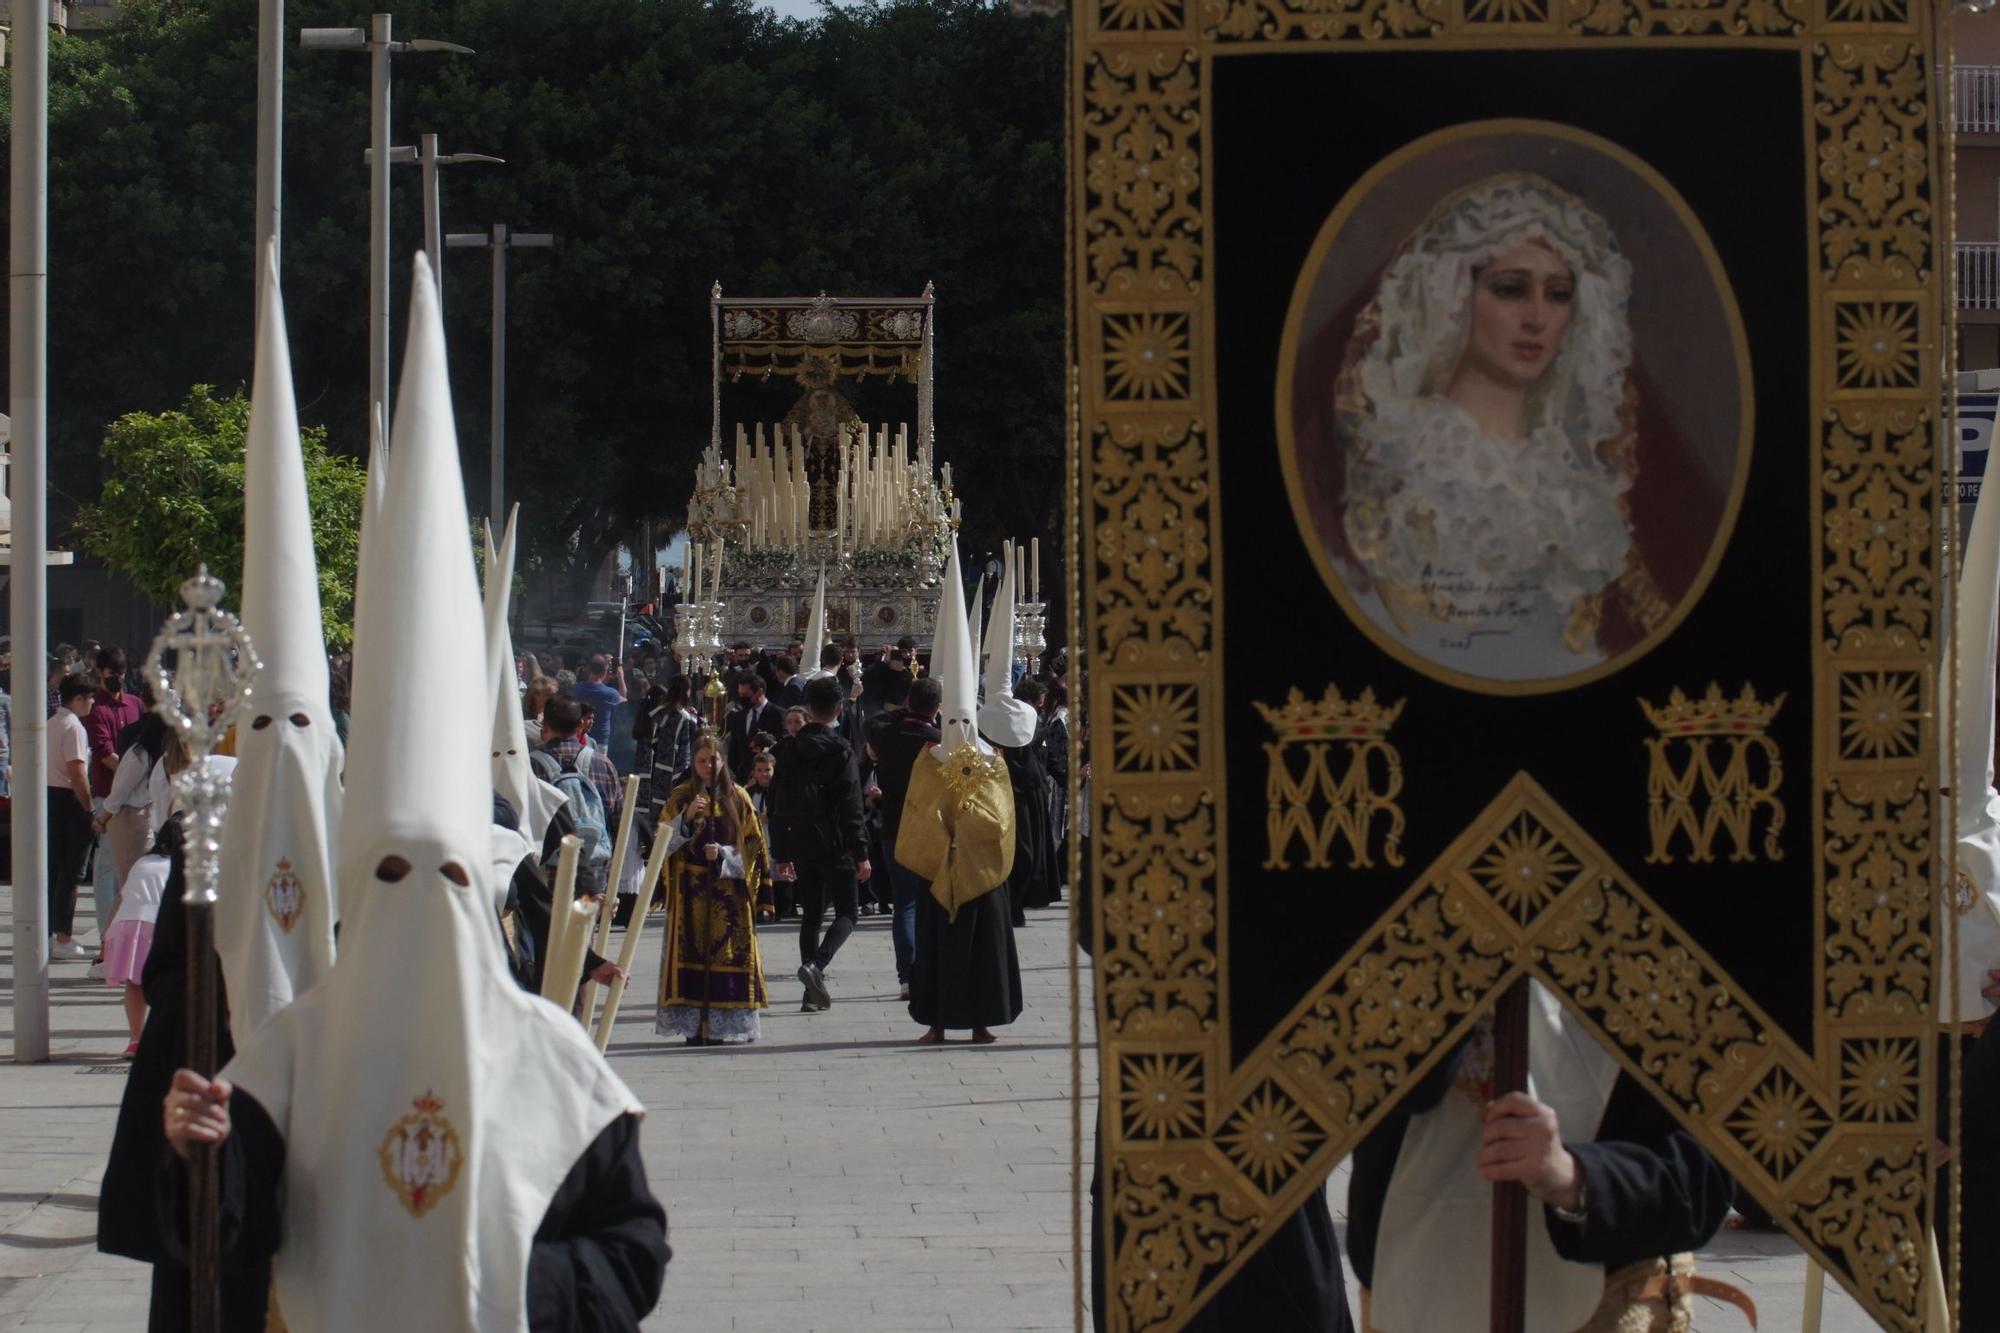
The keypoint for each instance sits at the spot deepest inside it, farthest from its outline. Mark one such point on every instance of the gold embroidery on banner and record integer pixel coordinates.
(1847, 1169)
(421, 1156)
(1347, 806)
(1731, 795)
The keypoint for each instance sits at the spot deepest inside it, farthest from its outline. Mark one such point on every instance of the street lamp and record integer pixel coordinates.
(499, 242)
(426, 155)
(375, 39)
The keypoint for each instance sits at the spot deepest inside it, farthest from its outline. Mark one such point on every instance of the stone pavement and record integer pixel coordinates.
(832, 1177)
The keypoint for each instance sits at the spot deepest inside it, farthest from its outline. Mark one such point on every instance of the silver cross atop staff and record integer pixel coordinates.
(208, 685)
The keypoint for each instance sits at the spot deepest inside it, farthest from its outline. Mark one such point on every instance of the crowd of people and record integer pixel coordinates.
(780, 809)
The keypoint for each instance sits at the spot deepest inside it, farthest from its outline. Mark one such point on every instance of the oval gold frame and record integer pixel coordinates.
(1288, 348)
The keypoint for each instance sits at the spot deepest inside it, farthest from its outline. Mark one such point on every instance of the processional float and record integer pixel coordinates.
(814, 495)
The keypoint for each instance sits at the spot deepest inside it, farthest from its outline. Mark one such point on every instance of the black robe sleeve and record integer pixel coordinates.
(252, 1163)
(601, 1254)
(1650, 1189)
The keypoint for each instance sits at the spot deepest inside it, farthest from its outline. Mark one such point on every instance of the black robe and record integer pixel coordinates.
(127, 1217)
(1033, 881)
(966, 973)
(599, 1257)
(1650, 1189)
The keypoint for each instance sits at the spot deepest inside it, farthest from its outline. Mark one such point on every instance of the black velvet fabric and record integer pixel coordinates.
(1736, 155)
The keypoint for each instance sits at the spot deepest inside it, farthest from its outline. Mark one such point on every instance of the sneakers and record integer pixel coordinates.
(902, 992)
(66, 950)
(97, 970)
(815, 984)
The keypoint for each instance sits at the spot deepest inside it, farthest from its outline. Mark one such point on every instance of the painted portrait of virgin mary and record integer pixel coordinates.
(1498, 493)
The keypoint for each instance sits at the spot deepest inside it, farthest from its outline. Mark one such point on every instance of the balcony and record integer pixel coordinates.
(1978, 275)
(1975, 98)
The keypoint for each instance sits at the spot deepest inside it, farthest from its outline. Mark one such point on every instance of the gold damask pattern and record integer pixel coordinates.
(1832, 1135)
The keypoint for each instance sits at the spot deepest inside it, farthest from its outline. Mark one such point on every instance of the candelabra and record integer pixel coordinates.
(200, 695)
(1030, 619)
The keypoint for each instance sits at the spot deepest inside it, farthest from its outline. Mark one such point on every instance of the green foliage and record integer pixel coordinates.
(668, 144)
(173, 500)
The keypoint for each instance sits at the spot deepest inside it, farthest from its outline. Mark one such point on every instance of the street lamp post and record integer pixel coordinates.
(27, 387)
(270, 131)
(427, 156)
(376, 40)
(499, 242)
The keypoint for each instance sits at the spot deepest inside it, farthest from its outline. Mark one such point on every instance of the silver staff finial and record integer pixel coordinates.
(202, 668)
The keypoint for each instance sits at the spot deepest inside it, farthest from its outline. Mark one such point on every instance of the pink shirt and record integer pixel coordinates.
(66, 742)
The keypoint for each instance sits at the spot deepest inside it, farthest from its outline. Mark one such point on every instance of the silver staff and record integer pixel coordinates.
(202, 668)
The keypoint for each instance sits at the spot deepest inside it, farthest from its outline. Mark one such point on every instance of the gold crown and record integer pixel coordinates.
(428, 1104)
(1331, 718)
(1712, 714)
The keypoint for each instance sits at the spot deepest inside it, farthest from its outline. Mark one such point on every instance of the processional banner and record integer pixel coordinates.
(1403, 689)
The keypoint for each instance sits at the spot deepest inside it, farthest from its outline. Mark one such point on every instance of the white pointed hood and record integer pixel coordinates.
(1976, 647)
(1005, 720)
(815, 640)
(952, 665)
(972, 621)
(430, 1108)
(534, 800)
(277, 901)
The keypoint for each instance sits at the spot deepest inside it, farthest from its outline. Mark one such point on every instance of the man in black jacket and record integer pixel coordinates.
(816, 834)
(752, 714)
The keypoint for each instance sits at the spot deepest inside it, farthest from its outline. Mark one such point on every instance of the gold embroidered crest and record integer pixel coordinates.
(285, 897)
(421, 1156)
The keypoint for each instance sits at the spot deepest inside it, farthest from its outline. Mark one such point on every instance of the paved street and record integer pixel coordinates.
(832, 1177)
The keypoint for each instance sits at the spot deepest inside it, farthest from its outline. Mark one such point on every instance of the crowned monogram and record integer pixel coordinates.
(421, 1156)
(285, 897)
(1314, 807)
(1714, 770)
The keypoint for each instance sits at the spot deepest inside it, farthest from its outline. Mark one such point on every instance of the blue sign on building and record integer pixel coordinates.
(1976, 414)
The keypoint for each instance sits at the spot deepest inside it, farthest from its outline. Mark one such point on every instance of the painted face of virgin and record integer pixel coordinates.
(1521, 304)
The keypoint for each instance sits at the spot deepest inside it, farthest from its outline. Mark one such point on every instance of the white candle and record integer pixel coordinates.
(947, 476)
(687, 578)
(717, 576)
(696, 577)
(1035, 567)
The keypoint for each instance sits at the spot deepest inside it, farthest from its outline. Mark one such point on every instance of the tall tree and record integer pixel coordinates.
(668, 144)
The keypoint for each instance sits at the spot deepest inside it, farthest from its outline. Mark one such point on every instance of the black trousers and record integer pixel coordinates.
(818, 885)
(70, 841)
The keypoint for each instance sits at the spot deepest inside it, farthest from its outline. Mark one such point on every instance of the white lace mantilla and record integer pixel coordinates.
(1482, 549)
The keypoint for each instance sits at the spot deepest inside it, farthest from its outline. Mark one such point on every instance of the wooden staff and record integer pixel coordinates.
(606, 909)
(562, 898)
(1510, 1198)
(629, 952)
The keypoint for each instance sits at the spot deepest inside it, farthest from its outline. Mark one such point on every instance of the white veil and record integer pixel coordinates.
(1426, 298)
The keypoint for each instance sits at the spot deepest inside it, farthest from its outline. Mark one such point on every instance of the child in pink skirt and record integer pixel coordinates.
(130, 937)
